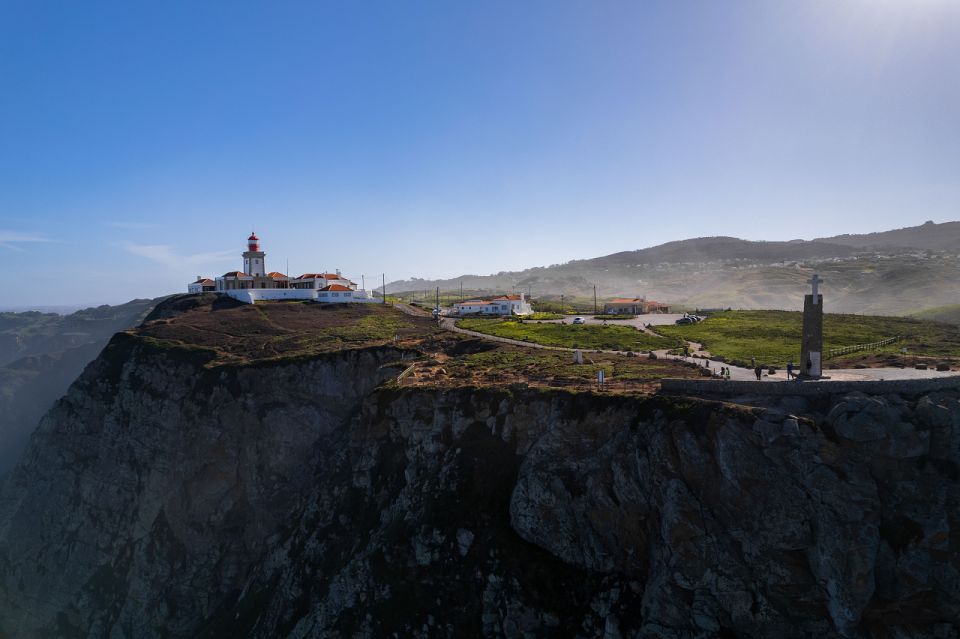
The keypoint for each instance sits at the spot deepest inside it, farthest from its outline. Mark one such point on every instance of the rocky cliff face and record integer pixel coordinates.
(163, 498)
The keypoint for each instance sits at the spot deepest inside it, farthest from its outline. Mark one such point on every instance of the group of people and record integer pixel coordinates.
(724, 371)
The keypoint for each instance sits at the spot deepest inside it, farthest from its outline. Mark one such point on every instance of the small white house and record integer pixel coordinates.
(502, 305)
(202, 285)
(340, 294)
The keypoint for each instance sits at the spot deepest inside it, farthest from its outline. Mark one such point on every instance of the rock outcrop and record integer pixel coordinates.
(164, 498)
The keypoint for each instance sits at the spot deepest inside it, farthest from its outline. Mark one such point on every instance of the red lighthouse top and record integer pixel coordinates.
(253, 242)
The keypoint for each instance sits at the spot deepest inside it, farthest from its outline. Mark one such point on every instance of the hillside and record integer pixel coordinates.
(929, 236)
(949, 313)
(729, 272)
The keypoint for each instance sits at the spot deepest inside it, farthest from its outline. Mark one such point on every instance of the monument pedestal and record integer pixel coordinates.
(811, 348)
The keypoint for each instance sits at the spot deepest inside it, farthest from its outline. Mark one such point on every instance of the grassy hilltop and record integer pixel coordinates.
(949, 314)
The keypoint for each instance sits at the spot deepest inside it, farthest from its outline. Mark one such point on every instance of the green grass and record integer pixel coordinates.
(544, 316)
(773, 337)
(607, 316)
(547, 364)
(585, 336)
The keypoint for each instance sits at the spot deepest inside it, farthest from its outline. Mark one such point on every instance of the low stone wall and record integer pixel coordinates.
(872, 387)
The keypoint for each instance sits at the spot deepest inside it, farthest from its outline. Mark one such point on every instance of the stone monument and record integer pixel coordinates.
(811, 348)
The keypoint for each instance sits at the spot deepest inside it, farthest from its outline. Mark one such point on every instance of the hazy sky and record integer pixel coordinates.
(140, 142)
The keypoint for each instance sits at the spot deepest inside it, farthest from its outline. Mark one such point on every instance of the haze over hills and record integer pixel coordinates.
(40, 356)
(893, 272)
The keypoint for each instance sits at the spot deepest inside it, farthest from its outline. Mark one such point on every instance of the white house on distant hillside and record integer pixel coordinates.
(253, 283)
(502, 305)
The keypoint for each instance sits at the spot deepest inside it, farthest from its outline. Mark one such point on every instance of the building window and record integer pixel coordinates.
(335, 294)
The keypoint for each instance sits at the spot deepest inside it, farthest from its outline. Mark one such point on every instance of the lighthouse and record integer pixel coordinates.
(253, 262)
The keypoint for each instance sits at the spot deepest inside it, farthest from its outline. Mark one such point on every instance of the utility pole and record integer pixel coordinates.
(561, 303)
(438, 299)
(384, 276)
(461, 291)
(594, 299)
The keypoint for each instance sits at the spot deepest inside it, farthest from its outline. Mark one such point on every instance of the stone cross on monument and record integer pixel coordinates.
(815, 282)
(811, 348)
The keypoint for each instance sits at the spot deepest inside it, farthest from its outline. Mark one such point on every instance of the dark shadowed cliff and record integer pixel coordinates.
(183, 491)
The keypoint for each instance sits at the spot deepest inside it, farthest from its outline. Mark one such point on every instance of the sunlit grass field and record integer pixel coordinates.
(773, 337)
(586, 336)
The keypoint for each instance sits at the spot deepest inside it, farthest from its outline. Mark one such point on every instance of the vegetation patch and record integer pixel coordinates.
(773, 337)
(282, 330)
(949, 314)
(585, 336)
(612, 316)
(506, 365)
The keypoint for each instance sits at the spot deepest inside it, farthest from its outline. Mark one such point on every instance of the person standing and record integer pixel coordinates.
(789, 371)
(759, 371)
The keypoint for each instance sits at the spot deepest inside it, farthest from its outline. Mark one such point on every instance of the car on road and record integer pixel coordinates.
(579, 320)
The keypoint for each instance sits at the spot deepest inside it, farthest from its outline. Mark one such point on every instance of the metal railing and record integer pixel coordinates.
(845, 350)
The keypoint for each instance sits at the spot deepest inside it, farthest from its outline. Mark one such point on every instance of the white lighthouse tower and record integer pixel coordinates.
(253, 262)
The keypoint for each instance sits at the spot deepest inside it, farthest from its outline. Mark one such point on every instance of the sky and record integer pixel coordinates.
(141, 142)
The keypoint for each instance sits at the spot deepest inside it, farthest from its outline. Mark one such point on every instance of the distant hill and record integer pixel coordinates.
(40, 356)
(887, 273)
(929, 236)
(712, 249)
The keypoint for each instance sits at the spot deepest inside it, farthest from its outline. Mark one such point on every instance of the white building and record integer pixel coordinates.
(502, 305)
(254, 284)
(202, 285)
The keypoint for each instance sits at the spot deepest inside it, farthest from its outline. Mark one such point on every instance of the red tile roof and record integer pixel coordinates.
(336, 287)
(321, 276)
(235, 274)
(515, 298)
(275, 275)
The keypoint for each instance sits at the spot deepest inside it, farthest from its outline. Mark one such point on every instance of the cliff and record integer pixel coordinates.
(172, 493)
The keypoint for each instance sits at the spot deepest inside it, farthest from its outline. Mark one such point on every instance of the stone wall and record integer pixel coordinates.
(805, 389)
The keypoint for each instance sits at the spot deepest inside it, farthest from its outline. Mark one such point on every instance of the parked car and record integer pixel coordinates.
(579, 320)
(684, 320)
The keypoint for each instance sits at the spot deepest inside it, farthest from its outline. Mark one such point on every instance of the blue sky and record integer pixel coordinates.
(141, 142)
